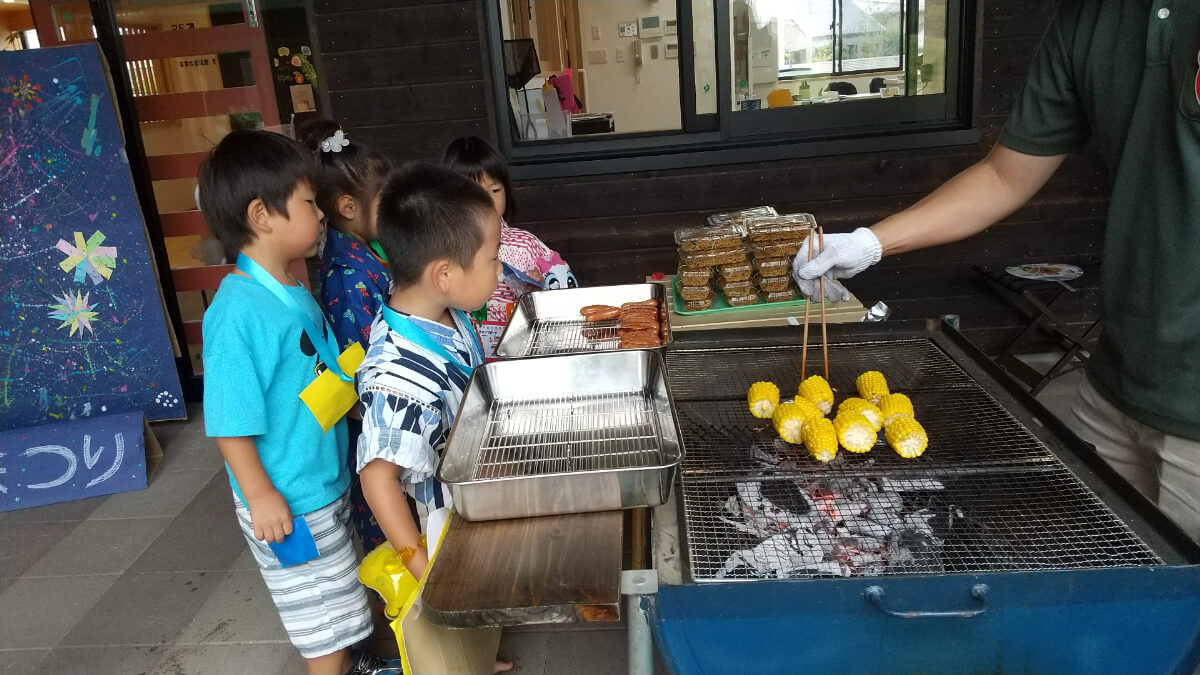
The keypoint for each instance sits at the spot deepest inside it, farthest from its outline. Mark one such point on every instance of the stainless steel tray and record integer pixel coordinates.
(546, 323)
(563, 434)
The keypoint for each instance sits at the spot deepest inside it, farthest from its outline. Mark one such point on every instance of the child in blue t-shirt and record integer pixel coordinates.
(355, 280)
(256, 193)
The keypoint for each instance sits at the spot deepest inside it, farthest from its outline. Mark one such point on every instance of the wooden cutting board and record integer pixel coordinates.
(554, 569)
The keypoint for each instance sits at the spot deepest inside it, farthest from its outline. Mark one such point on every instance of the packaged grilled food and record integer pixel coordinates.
(781, 296)
(710, 238)
(773, 284)
(735, 287)
(740, 271)
(695, 292)
(738, 217)
(742, 298)
(781, 249)
(773, 267)
(700, 305)
(694, 276)
(694, 259)
(791, 227)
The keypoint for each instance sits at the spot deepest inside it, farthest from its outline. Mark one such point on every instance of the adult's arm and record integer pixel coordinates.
(982, 195)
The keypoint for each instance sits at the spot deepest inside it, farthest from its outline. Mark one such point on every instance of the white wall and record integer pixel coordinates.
(649, 105)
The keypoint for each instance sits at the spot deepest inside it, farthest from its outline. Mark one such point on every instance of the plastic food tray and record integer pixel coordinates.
(720, 306)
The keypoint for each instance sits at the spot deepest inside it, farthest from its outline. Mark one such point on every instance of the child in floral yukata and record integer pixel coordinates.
(528, 263)
(356, 280)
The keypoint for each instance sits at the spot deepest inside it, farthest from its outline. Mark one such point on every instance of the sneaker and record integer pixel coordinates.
(366, 663)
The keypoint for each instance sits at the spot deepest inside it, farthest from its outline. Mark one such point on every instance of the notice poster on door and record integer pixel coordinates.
(82, 327)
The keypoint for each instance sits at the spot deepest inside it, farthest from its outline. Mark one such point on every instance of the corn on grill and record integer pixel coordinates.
(996, 496)
(1007, 547)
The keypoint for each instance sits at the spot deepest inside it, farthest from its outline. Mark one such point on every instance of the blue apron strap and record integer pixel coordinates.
(321, 339)
(416, 334)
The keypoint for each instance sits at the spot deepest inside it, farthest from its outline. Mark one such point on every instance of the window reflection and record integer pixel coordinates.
(806, 52)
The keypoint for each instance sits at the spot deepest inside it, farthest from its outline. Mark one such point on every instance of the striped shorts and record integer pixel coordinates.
(323, 606)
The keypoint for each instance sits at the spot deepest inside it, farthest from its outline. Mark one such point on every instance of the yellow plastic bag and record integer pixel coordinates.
(426, 647)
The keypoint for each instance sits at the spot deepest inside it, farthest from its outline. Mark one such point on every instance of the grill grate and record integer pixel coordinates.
(966, 428)
(988, 495)
(532, 437)
(974, 523)
(909, 365)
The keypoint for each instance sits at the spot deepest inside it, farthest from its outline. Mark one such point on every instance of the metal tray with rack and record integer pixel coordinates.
(547, 323)
(565, 434)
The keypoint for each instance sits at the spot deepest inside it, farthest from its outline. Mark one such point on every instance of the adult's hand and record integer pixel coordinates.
(844, 256)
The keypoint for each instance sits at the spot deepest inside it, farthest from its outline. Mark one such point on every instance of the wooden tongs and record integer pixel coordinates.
(807, 305)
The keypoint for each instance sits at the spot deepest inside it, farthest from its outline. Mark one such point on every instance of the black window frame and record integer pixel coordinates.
(730, 137)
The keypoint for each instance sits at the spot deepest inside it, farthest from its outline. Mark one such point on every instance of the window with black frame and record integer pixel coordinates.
(597, 76)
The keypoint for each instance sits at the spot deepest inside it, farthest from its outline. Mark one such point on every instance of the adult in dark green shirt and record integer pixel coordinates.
(1121, 74)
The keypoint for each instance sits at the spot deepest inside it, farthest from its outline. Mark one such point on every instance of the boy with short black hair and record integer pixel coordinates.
(441, 236)
(256, 192)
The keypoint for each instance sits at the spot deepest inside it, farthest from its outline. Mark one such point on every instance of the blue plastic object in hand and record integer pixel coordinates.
(298, 547)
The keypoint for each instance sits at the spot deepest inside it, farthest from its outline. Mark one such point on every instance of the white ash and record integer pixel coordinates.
(835, 527)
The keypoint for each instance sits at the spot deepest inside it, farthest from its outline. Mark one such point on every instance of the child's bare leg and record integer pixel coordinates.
(502, 667)
(337, 663)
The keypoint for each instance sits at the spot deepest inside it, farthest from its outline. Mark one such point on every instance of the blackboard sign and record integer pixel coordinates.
(75, 460)
(82, 327)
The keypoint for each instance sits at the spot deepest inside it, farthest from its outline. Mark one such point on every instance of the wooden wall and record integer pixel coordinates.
(409, 76)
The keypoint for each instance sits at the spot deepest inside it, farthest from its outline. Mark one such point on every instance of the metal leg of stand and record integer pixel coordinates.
(636, 584)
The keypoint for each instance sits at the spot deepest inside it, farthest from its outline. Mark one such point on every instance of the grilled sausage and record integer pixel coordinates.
(603, 315)
(651, 303)
(592, 309)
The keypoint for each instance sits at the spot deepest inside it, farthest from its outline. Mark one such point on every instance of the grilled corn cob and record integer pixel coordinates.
(821, 439)
(862, 407)
(763, 399)
(790, 417)
(872, 386)
(817, 390)
(893, 406)
(854, 432)
(907, 437)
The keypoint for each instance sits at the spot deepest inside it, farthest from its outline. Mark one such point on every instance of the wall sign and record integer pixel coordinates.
(75, 460)
(82, 327)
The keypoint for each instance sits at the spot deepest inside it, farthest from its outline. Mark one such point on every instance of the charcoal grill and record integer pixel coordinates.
(1012, 547)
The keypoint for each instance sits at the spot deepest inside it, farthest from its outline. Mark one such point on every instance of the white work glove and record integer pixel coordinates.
(844, 256)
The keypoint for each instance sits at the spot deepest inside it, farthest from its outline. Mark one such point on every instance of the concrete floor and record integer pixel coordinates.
(160, 581)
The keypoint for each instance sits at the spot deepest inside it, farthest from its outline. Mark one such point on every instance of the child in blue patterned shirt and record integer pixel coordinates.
(356, 281)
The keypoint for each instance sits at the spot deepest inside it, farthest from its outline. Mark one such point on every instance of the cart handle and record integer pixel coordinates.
(875, 595)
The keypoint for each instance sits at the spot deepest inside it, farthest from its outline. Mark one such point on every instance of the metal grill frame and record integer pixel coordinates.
(1057, 524)
(969, 427)
(1142, 529)
(726, 373)
(545, 437)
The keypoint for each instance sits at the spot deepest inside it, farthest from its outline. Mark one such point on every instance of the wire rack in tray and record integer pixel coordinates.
(526, 437)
